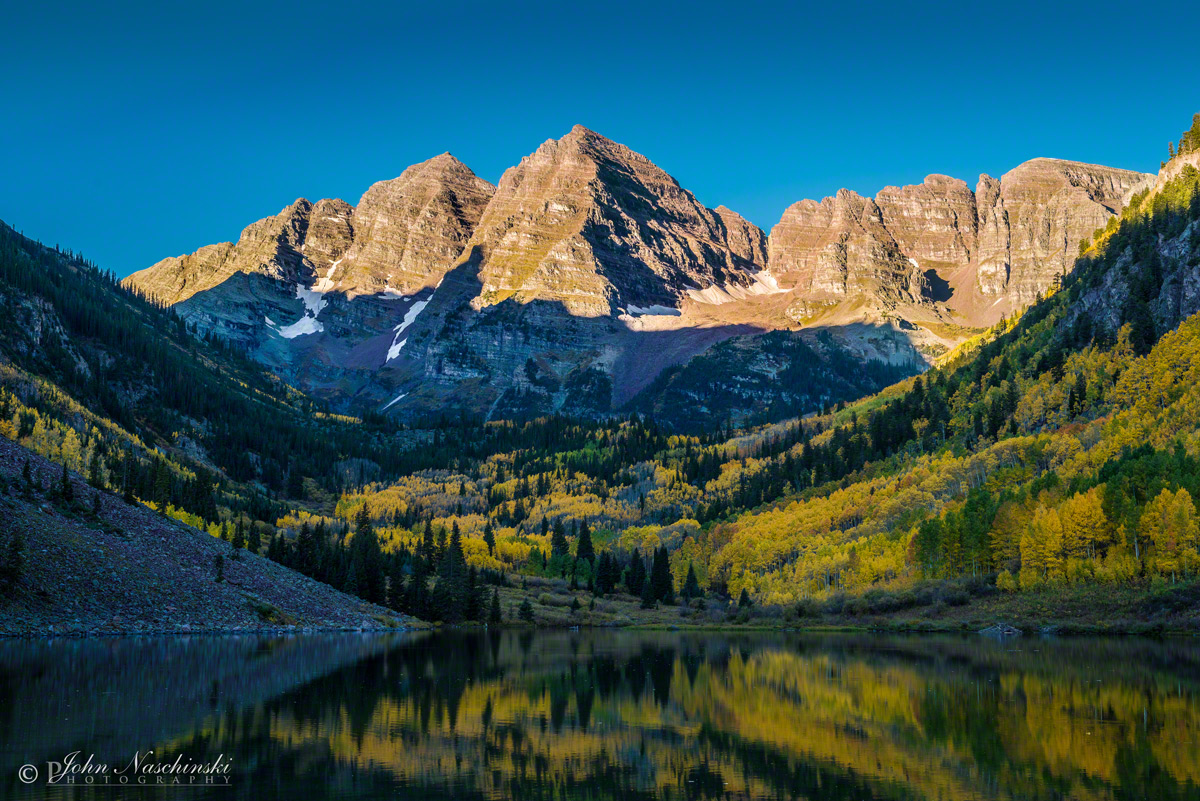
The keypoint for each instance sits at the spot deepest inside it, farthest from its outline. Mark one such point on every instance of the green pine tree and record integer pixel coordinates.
(648, 600)
(526, 612)
(635, 577)
(450, 592)
(396, 593)
(162, 483)
(473, 608)
(366, 559)
(660, 577)
(494, 618)
(489, 537)
(583, 548)
(94, 476)
(691, 587)
(558, 542)
(417, 596)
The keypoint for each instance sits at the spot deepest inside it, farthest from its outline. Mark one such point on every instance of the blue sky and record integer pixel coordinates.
(136, 131)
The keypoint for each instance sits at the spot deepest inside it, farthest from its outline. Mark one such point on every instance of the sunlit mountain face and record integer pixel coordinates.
(588, 276)
(626, 715)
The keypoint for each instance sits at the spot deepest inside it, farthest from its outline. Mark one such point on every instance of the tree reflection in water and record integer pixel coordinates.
(630, 715)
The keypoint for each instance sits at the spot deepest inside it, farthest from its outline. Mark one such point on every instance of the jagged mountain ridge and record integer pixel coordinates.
(981, 253)
(401, 238)
(593, 225)
(588, 266)
(402, 231)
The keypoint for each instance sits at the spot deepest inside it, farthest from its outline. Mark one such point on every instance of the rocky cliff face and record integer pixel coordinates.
(402, 237)
(589, 270)
(270, 247)
(590, 224)
(329, 235)
(934, 223)
(408, 231)
(583, 242)
(286, 270)
(839, 247)
(1051, 205)
(1007, 241)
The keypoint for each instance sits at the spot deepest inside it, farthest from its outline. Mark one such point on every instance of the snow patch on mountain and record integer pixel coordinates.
(762, 283)
(409, 317)
(305, 325)
(326, 284)
(654, 311)
(314, 301)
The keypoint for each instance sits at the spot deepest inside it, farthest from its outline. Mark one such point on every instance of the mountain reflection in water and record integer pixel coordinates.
(612, 714)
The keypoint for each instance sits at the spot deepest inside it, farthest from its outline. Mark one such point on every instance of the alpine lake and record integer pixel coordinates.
(608, 714)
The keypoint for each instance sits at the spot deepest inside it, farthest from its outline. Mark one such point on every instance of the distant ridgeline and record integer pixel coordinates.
(1061, 447)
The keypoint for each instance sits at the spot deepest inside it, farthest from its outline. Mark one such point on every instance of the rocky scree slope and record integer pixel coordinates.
(131, 570)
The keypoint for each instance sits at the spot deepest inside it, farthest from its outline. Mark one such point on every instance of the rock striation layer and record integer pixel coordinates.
(409, 230)
(590, 224)
(1011, 237)
(588, 271)
(271, 247)
(403, 237)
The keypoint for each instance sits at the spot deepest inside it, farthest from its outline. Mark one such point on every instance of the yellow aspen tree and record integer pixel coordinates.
(1174, 532)
(1085, 526)
(1007, 530)
(1052, 529)
(1151, 527)
(1041, 548)
(1169, 526)
(1033, 554)
(1072, 537)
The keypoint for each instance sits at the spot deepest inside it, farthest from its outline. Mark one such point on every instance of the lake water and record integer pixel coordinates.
(609, 714)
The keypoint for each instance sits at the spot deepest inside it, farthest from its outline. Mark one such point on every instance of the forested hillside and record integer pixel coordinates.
(114, 387)
(1058, 449)
(1061, 449)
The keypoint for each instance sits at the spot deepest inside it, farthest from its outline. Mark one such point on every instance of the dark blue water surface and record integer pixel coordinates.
(600, 715)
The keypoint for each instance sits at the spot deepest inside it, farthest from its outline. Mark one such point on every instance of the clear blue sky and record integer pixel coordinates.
(135, 131)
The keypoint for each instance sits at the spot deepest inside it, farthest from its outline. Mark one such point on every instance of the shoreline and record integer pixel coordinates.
(256, 632)
(1065, 628)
